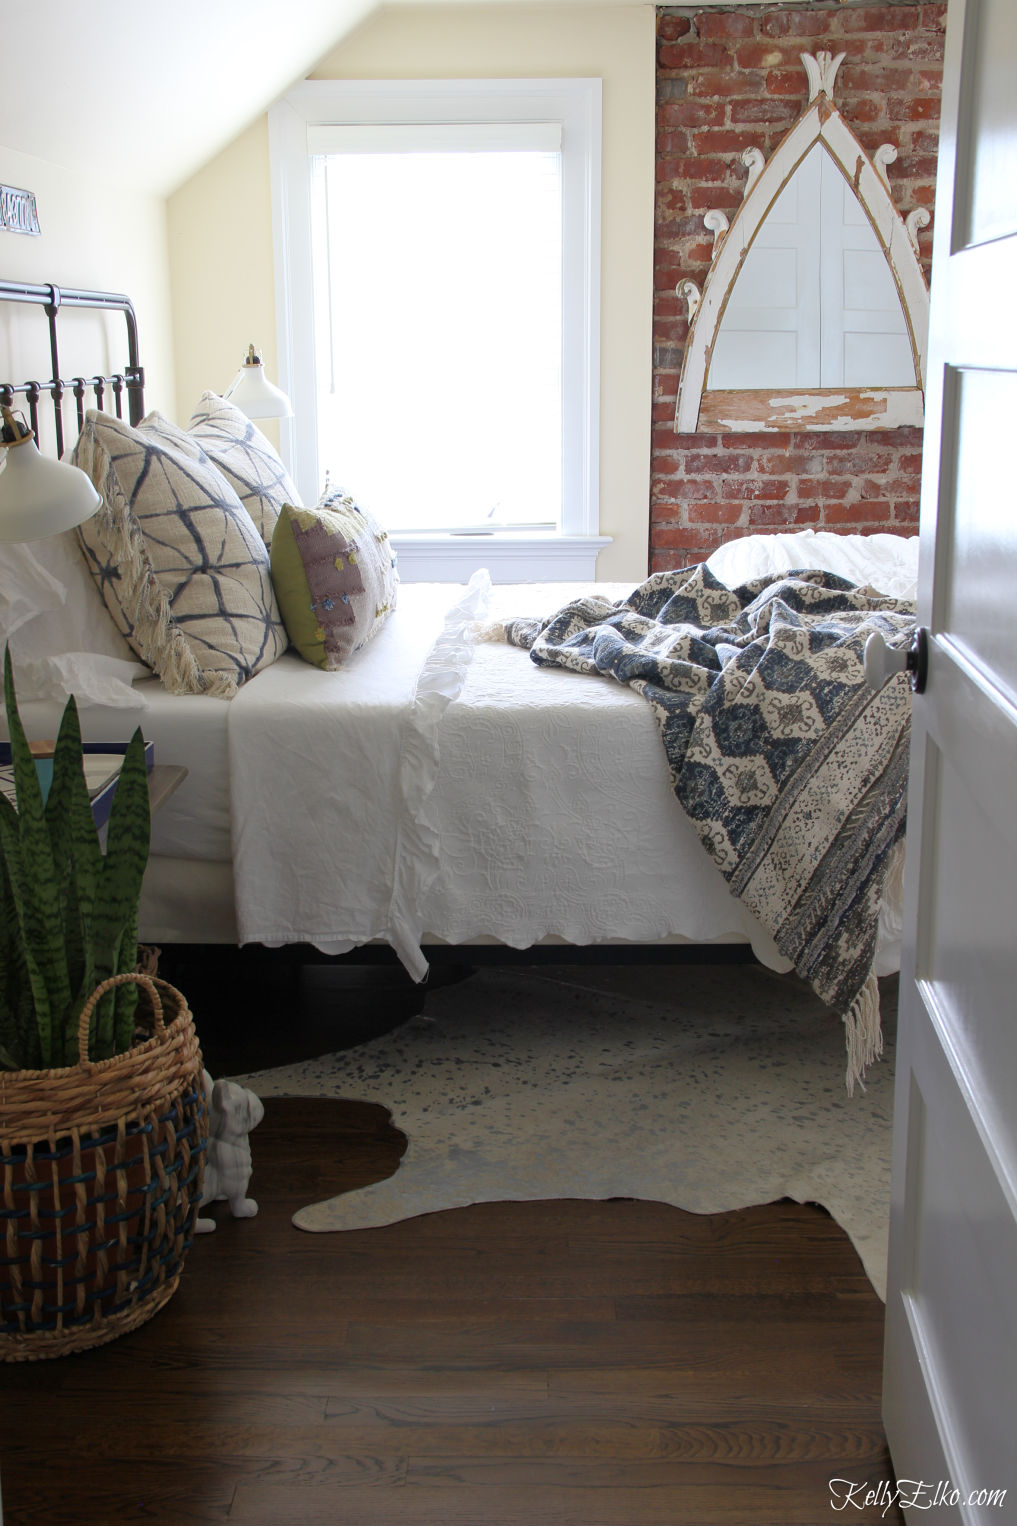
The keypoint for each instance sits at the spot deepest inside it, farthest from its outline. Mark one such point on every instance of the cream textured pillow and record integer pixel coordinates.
(177, 558)
(248, 461)
(335, 577)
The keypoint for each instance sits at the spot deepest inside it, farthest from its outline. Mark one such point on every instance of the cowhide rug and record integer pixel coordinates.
(710, 1087)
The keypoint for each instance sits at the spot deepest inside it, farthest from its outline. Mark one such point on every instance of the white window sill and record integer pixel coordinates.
(508, 558)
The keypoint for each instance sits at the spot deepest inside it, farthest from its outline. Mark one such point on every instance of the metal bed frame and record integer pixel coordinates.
(131, 381)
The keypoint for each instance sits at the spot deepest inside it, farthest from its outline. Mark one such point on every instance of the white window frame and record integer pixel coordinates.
(576, 105)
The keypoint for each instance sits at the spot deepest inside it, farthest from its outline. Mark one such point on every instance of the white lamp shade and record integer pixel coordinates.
(40, 497)
(254, 394)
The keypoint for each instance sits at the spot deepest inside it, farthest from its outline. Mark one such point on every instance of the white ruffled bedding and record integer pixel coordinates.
(487, 809)
(440, 788)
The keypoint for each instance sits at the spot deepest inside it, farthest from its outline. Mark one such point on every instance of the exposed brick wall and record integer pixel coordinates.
(730, 79)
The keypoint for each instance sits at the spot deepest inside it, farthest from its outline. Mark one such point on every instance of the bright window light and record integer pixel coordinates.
(438, 332)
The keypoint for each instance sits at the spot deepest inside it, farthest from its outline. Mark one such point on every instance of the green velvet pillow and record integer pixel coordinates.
(335, 579)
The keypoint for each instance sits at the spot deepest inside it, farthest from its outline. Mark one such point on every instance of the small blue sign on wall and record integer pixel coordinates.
(18, 212)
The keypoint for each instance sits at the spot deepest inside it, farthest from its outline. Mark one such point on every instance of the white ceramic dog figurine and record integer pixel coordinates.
(234, 1112)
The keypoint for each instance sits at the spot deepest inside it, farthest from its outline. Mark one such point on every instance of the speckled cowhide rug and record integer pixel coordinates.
(709, 1087)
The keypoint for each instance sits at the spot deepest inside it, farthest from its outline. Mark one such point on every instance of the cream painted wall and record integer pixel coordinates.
(221, 269)
(220, 221)
(93, 237)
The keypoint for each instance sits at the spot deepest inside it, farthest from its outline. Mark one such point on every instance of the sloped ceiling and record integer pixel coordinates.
(155, 88)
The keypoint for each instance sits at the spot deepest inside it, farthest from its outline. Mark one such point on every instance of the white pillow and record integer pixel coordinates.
(247, 460)
(889, 563)
(61, 635)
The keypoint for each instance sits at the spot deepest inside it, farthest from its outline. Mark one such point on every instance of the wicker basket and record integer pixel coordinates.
(101, 1167)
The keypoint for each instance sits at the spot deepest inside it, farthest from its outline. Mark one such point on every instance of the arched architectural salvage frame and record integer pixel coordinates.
(819, 408)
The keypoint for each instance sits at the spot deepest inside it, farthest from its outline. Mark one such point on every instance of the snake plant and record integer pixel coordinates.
(68, 911)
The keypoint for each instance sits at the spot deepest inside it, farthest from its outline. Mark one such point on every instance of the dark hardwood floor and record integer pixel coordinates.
(536, 1364)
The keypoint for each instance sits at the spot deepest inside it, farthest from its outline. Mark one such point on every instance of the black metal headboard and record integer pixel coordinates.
(131, 381)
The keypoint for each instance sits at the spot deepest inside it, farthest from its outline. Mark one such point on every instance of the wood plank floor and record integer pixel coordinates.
(538, 1364)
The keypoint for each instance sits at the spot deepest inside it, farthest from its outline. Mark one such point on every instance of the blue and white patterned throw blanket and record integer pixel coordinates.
(792, 770)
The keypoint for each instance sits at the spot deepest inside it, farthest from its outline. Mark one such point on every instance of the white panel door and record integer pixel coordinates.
(950, 1381)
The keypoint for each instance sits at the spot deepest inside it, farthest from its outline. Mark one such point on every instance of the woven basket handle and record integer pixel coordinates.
(100, 991)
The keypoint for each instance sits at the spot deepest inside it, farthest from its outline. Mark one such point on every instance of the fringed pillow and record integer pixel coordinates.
(176, 556)
(335, 577)
(248, 461)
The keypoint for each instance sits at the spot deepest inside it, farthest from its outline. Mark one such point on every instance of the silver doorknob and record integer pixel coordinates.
(882, 661)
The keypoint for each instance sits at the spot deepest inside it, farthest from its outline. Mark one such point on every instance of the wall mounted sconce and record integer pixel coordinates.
(38, 496)
(254, 394)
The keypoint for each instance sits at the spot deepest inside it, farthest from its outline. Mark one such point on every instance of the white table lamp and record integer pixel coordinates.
(254, 394)
(38, 496)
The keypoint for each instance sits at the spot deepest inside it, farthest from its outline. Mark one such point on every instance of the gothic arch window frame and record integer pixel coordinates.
(700, 409)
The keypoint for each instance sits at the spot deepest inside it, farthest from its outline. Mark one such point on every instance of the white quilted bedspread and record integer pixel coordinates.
(490, 806)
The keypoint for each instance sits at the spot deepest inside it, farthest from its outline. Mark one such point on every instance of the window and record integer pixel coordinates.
(437, 267)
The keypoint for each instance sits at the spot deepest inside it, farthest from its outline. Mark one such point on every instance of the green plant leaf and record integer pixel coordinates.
(82, 894)
(18, 1033)
(34, 881)
(114, 927)
(12, 848)
(8, 1062)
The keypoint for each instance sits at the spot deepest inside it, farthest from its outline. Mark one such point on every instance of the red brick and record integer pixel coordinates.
(724, 83)
(725, 26)
(919, 46)
(920, 166)
(696, 114)
(670, 28)
(701, 55)
(668, 307)
(721, 140)
(777, 113)
(866, 459)
(700, 254)
(781, 514)
(799, 24)
(913, 108)
(699, 461)
(847, 439)
(673, 142)
(715, 513)
(750, 489)
(675, 535)
(879, 79)
(892, 18)
(866, 111)
(788, 82)
(748, 441)
(707, 196)
(791, 464)
(762, 55)
(700, 168)
(855, 513)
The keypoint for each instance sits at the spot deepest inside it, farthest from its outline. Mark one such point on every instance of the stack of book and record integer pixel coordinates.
(102, 761)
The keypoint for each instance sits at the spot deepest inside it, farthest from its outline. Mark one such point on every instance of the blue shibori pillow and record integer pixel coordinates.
(178, 560)
(249, 462)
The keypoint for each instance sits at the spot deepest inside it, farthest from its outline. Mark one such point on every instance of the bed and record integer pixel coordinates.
(439, 788)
